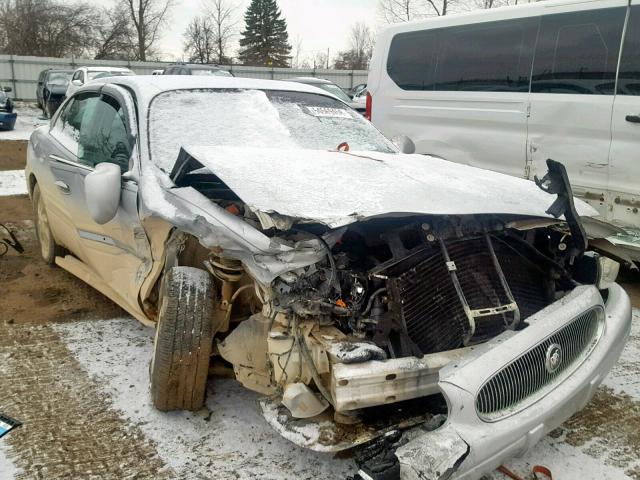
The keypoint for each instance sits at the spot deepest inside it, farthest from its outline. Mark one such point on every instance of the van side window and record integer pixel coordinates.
(629, 76)
(488, 57)
(491, 56)
(411, 62)
(578, 52)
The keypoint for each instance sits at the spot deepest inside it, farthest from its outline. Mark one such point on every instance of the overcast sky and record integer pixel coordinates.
(321, 24)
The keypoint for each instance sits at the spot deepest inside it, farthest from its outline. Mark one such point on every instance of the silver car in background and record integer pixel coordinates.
(269, 229)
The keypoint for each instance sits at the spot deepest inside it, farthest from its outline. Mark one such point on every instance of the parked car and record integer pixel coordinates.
(330, 87)
(277, 231)
(507, 88)
(158, 72)
(7, 116)
(84, 75)
(196, 69)
(51, 89)
(358, 90)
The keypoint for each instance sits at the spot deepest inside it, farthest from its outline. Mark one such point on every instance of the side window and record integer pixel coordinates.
(67, 128)
(491, 56)
(76, 76)
(629, 76)
(411, 60)
(103, 137)
(578, 52)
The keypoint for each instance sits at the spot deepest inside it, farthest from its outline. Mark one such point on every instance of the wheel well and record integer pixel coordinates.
(32, 183)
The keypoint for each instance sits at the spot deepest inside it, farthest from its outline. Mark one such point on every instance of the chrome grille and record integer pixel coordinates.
(529, 377)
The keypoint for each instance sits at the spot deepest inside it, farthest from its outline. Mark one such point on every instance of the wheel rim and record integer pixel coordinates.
(44, 234)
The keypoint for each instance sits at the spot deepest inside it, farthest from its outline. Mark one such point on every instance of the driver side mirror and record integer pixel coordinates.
(404, 144)
(7, 89)
(102, 192)
(77, 82)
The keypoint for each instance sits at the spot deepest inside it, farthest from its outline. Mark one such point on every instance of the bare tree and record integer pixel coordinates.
(46, 27)
(200, 40)
(395, 11)
(223, 15)
(296, 57)
(115, 37)
(148, 17)
(360, 48)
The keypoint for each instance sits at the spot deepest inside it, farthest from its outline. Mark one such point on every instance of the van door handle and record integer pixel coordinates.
(632, 118)
(63, 187)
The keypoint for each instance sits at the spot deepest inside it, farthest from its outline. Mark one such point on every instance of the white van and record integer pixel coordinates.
(507, 88)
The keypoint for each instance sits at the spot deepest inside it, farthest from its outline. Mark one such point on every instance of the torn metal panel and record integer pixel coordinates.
(432, 456)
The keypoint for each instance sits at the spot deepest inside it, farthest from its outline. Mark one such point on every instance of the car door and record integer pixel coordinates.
(98, 128)
(572, 94)
(624, 167)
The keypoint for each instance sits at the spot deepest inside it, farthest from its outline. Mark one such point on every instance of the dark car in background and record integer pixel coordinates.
(196, 69)
(51, 89)
(7, 117)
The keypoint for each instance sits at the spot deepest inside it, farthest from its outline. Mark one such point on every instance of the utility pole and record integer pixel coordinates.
(327, 58)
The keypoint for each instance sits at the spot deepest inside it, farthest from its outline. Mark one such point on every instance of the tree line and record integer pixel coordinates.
(131, 30)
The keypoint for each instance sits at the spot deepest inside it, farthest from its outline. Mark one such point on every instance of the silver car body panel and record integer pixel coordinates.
(513, 435)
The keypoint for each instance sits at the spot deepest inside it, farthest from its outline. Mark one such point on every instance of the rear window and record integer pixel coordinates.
(255, 118)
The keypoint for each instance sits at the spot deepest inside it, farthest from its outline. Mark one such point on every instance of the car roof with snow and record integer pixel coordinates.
(107, 68)
(146, 87)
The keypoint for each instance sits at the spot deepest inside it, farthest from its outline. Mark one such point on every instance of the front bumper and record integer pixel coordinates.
(467, 447)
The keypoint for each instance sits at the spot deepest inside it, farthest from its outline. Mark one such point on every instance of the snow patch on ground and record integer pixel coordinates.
(625, 375)
(7, 468)
(235, 441)
(564, 461)
(12, 182)
(29, 118)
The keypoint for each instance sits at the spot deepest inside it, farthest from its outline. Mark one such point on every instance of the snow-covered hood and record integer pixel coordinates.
(336, 188)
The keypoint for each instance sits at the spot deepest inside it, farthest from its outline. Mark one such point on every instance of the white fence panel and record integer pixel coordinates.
(21, 73)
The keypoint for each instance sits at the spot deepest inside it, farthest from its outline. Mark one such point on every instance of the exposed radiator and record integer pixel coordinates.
(427, 302)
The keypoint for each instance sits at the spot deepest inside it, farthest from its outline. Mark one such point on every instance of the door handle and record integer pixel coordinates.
(632, 118)
(63, 187)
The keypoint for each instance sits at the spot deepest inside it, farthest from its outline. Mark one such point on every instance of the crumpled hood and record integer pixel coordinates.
(336, 188)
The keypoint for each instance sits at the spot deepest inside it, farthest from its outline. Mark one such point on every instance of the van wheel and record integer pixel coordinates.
(184, 337)
(49, 249)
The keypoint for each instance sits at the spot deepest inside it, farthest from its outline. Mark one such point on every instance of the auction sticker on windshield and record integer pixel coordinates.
(329, 112)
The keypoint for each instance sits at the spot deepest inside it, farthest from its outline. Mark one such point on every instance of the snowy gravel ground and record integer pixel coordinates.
(234, 441)
(12, 182)
(29, 118)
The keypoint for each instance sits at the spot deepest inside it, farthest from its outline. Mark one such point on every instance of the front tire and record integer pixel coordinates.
(184, 337)
(49, 249)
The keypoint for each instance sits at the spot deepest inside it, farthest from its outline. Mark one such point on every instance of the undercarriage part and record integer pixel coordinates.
(302, 402)
(363, 385)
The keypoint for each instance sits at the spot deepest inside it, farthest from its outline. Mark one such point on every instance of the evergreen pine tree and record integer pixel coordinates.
(265, 41)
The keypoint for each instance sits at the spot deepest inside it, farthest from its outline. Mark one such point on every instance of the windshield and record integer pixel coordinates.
(255, 118)
(58, 78)
(334, 90)
(94, 75)
(209, 71)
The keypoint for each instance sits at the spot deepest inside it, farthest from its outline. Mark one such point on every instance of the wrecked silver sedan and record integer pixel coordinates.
(265, 228)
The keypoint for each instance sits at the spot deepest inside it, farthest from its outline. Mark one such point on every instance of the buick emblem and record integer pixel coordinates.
(553, 358)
